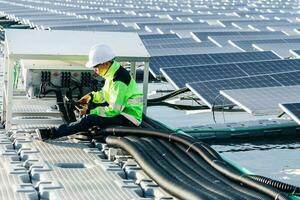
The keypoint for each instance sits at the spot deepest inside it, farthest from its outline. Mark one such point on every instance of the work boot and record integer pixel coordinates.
(44, 133)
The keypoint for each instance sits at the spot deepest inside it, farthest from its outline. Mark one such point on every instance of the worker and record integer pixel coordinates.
(118, 103)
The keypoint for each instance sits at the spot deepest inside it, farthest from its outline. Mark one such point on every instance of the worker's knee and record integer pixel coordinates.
(90, 120)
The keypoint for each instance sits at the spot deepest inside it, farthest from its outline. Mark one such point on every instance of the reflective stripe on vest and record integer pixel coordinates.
(117, 106)
(101, 111)
(135, 100)
(131, 118)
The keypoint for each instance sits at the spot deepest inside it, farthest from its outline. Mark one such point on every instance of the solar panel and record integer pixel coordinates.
(288, 78)
(179, 76)
(190, 44)
(223, 40)
(258, 101)
(158, 36)
(268, 67)
(293, 110)
(157, 62)
(208, 91)
(243, 56)
(150, 42)
(247, 45)
(262, 23)
(282, 50)
(204, 35)
(189, 51)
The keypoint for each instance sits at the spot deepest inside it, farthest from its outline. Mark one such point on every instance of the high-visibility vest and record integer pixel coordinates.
(119, 95)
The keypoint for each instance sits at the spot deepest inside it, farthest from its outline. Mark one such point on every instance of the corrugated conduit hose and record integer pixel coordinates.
(202, 149)
(288, 188)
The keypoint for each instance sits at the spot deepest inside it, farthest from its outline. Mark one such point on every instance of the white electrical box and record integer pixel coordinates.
(40, 76)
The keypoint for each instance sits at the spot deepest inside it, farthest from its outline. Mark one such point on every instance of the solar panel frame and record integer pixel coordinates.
(293, 110)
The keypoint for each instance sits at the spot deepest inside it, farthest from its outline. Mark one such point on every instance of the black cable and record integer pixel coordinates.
(291, 189)
(177, 166)
(42, 90)
(53, 85)
(202, 163)
(202, 150)
(177, 106)
(164, 179)
(213, 108)
(170, 95)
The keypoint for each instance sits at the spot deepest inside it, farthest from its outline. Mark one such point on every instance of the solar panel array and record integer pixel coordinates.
(179, 76)
(261, 101)
(234, 34)
(208, 91)
(253, 39)
(163, 62)
(293, 110)
(196, 20)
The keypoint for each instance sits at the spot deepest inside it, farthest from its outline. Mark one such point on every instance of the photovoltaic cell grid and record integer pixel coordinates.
(177, 60)
(189, 45)
(293, 110)
(243, 56)
(260, 101)
(158, 36)
(151, 42)
(179, 76)
(209, 91)
(267, 67)
(204, 35)
(281, 49)
(191, 51)
(157, 62)
(247, 44)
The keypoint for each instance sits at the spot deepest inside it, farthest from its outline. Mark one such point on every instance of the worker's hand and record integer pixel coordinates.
(85, 99)
(82, 110)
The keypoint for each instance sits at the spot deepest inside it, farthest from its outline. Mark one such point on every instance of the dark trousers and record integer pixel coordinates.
(87, 122)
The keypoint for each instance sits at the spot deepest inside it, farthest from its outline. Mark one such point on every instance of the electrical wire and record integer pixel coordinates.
(178, 106)
(170, 95)
(213, 108)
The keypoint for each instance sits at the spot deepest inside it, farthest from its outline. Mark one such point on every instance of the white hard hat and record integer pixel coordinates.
(100, 54)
